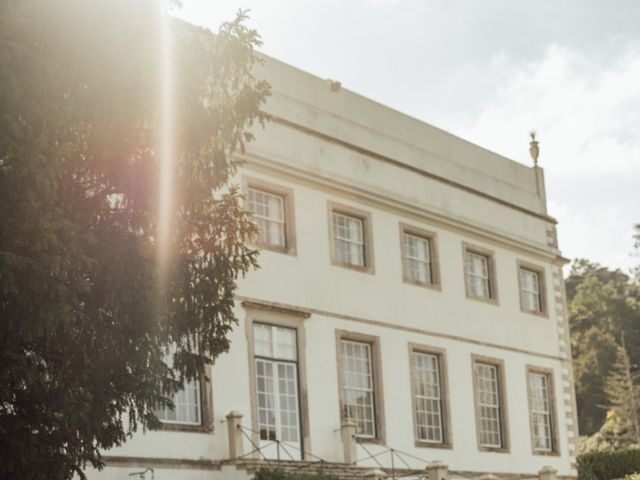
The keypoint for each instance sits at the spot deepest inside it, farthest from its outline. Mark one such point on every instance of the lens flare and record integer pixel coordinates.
(167, 145)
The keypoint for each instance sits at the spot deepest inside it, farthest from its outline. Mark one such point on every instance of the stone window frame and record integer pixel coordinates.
(288, 318)
(365, 217)
(378, 397)
(542, 288)
(432, 237)
(287, 195)
(491, 266)
(206, 409)
(555, 440)
(441, 354)
(502, 395)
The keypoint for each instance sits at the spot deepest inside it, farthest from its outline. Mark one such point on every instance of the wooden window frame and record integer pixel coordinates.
(376, 365)
(289, 215)
(542, 288)
(365, 217)
(287, 318)
(502, 395)
(432, 238)
(555, 451)
(441, 354)
(206, 409)
(491, 266)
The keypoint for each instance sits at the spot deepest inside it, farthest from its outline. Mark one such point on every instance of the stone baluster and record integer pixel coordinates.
(375, 474)
(548, 473)
(236, 444)
(437, 470)
(348, 433)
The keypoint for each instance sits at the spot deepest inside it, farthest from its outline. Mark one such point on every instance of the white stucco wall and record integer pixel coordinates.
(508, 218)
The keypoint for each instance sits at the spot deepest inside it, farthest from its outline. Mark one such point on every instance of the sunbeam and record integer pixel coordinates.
(166, 147)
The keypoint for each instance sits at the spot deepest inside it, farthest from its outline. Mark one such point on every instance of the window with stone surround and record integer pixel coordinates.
(268, 212)
(490, 400)
(351, 240)
(192, 408)
(429, 397)
(360, 384)
(277, 379)
(480, 273)
(272, 208)
(187, 406)
(532, 288)
(276, 365)
(419, 256)
(542, 411)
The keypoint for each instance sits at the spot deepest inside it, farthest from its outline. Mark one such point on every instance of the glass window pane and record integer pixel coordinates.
(268, 211)
(285, 347)
(540, 403)
(488, 398)
(478, 275)
(349, 239)
(427, 397)
(417, 259)
(530, 290)
(275, 342)
(262, 340)
(276, 385)
(358, 387)
(187, 402)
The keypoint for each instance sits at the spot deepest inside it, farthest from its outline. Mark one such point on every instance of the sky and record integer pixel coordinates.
(490, 71)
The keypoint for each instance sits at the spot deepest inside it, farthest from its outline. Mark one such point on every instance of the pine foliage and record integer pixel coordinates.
(623, 393)
(84, 319)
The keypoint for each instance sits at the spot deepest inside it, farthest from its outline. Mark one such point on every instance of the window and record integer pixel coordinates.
(480, 273)
(417, 259)
(187, 406)
(359, 388)
(192, 405)
(419, 262)
(531, 281)
(541, 411)
(272, 208)
(490, 404)
(350, 238)
(277, 380)
(268, 211)
(430, 409)
(276, 364)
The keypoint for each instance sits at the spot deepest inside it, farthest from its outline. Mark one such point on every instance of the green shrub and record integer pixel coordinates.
(609, 465)
(278, 474)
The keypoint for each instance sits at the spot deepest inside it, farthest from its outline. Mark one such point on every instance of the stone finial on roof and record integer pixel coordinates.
(534, 150)
(334, 85)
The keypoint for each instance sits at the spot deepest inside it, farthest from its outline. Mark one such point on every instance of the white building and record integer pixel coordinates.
(410, 290)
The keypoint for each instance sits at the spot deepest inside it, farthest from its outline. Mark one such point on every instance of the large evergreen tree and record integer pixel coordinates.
(603, 305)
(84, 317)
(621, 428)
(623, 394)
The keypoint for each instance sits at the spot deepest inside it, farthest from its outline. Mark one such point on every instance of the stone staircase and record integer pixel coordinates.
(343, 471)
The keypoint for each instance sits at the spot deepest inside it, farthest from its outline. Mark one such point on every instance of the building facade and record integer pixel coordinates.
(409, 309)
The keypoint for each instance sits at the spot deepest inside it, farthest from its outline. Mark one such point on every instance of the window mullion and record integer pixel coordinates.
(276, 399)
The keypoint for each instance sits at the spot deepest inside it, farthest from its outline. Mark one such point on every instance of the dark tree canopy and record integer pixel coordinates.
(604, 306)
(85, 320)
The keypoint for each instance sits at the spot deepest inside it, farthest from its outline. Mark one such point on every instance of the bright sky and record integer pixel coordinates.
(490, 71)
